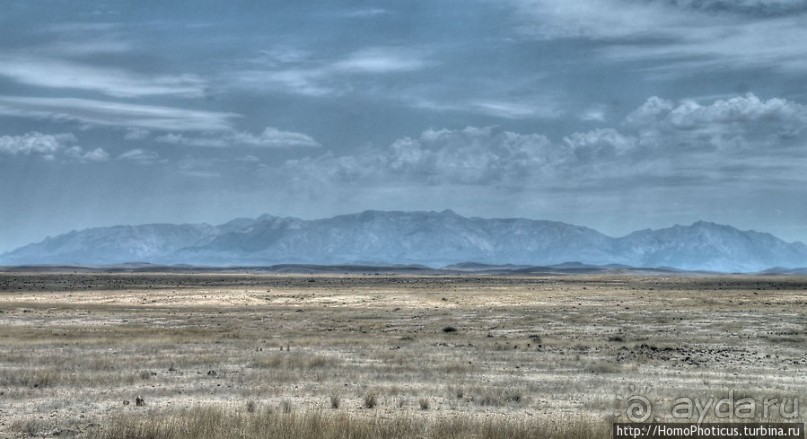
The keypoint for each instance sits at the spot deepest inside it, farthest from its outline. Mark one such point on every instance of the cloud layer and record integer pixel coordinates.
(659, 139)
(49, 147)
(269, 138)
(683, 35)
(115, 114)
(115, 82)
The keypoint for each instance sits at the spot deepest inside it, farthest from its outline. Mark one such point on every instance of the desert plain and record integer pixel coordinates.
(354, 355)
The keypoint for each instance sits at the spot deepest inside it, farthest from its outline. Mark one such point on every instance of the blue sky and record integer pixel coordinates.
(613, 114)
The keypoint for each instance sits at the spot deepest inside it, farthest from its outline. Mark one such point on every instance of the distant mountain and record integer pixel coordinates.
(434, 239)
(112, 245)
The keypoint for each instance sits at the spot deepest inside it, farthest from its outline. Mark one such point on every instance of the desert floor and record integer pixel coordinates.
(570, 353)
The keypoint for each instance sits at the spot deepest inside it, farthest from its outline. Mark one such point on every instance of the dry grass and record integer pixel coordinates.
(207, 422)
(372, 356)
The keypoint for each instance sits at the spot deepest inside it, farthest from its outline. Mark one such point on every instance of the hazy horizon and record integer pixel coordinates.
(617, 115)
(390, 211)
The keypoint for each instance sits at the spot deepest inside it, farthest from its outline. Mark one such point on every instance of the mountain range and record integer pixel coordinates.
(433, 239)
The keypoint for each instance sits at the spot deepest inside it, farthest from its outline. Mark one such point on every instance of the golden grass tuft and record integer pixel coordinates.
(212, 422)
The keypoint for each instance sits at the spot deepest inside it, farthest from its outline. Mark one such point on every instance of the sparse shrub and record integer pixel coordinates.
(251, 406)
(370, 400)
(286, 406)
(335, 401)
(38, 378)
(144, 374)
(602, 367)
(498, 397)
(424, 404)
(296, 360)
(34, 427)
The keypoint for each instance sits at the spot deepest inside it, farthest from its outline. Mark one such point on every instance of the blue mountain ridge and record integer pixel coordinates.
(434, 239)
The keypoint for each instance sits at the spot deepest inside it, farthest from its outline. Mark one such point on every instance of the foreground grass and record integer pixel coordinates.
(213, 422)
(383, 356)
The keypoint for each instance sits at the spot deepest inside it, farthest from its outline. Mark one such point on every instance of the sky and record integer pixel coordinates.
(618, 115)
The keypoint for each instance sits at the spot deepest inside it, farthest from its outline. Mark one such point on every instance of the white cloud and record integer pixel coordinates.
(600, 144)
(594, 113)
(301, 74)
(115, 114)
(181, 139)
(136, 134)
(380, 60)
(35, 143)
(472, 156)
(140, 156)
(739, 123)
(79, 154)
(56, 73)
(536, 108)
(49, 147)
(662, 143)
(365, 13)
(269, 138)
(514, 110)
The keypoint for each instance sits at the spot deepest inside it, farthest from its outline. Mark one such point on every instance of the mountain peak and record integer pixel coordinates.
(710, 225)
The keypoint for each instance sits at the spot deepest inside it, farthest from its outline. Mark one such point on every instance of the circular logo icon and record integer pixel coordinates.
(638, 408)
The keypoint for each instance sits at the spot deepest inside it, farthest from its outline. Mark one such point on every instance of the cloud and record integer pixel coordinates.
(305, 82)
(285, 55)
(749, 7)
(594, 113)
(380, 60)
(738, 123)
(472, 156)
(34, 143)
(537, 108)
(139, 156)
(680, 36)
(515, 110)
(366, 13)
(301, 74)
(598, 19)
(269, 138)
(660, 144)
(600, 144)
(737, 111)
(57, 73)
(115, 114)
(136, 134)
(49, 146)
(78, 154)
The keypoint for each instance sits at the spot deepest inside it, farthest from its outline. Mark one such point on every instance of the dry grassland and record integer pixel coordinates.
(253, 355)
